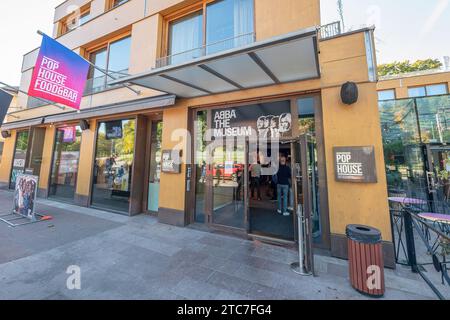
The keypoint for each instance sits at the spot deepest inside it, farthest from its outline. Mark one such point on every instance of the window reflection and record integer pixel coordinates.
(113, 165)
(20, 154)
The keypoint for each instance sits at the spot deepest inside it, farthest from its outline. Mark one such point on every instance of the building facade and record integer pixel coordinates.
(205, 70)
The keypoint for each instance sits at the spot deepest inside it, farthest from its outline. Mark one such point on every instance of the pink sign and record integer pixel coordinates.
(59, 74)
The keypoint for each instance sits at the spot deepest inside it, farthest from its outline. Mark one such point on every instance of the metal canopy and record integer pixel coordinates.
(22, 124)
(291, 57)
(117, 108)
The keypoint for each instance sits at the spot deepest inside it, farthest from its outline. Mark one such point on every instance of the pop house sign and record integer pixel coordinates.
(355, 164)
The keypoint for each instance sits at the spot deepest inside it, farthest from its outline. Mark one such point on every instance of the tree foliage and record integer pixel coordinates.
(399, 67)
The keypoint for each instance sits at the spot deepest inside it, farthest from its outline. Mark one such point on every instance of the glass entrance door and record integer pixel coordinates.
(271, 196)
(155, 166)
(438, 174)
(227, 170)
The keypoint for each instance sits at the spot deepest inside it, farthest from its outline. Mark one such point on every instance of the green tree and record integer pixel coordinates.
(399, 67)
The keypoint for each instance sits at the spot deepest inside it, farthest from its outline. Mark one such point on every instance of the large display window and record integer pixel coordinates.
(113, 165)
(66, 157)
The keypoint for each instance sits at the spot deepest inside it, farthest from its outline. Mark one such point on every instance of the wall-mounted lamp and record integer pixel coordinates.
(84, 125)
(6, 134)
(349, 93)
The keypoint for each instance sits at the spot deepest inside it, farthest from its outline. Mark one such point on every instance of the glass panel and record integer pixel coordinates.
(116, 3)
(306, 112)
(155, 166)
(434, 119)
(84, 18)
(113, 165)
(441, 164)
(386, 95)
(313, 175)
(271, 204)
(20, 154)
(228, 186)
(65, 163)
(436, 89)
(417, 92)
(401, 142)
(201, 168)
(230, 24)
(97, 78)
(186, 38)
(119, 58)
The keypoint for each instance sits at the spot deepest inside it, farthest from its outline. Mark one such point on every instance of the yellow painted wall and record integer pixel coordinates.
(7, 157)
(172, 189)
(356, 125)
(274, 18)
(401, 84)
(87, 151)
(47, 154)
(344, 59)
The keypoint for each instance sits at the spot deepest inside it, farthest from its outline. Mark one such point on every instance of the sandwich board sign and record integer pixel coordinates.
(24, 202)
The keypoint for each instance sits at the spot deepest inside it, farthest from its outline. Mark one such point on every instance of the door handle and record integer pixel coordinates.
(431, 182)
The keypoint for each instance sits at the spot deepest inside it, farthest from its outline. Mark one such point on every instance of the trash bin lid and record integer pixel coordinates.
(363, 234)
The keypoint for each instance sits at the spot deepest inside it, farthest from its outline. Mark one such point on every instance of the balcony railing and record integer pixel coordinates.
(223, 45)
(102, 83)
(330, 30)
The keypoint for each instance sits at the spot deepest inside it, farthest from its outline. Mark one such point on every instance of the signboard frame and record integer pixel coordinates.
(174, 157)
(355, 164)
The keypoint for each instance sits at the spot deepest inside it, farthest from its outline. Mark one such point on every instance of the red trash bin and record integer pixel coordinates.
(365, 259)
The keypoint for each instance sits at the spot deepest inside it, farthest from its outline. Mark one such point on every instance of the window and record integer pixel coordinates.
(430, 90)
(384, 95)
(20, 155)
(65, 163)
(306, 107)
(113, 165)
(228, 24)
(111, 4)
(114, 58)
(75, 20)
(186, 38)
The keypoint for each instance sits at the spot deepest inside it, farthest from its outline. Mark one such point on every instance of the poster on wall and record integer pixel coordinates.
(114, 130)
(355, 164)
(171, 161)
(265, 120)
(69, 134)
(25, 196)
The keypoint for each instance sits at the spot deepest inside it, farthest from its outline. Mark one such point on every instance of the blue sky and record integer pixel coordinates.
(406, 29)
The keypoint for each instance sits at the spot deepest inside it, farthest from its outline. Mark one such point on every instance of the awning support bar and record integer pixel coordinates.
(26, 93)
(102, 71)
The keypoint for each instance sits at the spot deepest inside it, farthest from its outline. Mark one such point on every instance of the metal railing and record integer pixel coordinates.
(330, 30)
(423, 244)
(211, 48)
(102, 83)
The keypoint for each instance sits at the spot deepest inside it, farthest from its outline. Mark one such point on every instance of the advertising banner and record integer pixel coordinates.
(59, 74)
(266, 120)
(25, 196)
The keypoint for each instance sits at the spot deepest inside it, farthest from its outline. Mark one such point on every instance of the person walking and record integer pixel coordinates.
(283, 186)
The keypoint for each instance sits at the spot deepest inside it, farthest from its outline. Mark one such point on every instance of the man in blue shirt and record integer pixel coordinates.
(283, 186)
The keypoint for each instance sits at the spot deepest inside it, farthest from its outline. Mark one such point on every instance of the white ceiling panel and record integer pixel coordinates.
(201, 78)
(242, 70)
(165, 85)
(292, 61)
